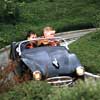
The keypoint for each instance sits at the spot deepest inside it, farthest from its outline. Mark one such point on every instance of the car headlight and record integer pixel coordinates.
(80, 70)
(37, 75)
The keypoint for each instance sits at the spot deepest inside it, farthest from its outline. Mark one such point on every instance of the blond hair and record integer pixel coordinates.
(48, 28)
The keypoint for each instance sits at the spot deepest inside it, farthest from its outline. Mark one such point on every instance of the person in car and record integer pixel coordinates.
(32, 43)
(49, 34)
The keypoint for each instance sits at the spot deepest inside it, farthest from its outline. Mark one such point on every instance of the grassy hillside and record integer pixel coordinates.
(42, 91)
(87, 49)
(63, 15)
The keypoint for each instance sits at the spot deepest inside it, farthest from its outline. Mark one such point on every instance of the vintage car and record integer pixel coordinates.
(55, 64)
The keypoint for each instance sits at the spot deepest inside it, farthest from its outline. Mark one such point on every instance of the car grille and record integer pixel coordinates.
(59, 81)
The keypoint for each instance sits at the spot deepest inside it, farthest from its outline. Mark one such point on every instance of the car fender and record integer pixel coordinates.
(74, 61)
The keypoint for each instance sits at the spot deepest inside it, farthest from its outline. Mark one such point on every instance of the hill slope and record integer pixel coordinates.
(88, 50)
(63, 15)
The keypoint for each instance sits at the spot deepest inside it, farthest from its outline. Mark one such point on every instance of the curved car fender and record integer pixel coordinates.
(74, 61)
(31, 64)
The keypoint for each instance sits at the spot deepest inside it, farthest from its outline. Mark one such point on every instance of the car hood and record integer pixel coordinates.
(49, 60)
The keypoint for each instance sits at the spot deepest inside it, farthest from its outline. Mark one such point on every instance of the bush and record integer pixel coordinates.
(29, 91)
(42, 91)
(9, 12)
(81, 91)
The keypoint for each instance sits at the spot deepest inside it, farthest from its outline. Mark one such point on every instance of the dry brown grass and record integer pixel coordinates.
(7, 81)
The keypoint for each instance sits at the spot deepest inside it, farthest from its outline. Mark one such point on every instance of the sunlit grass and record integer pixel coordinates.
(87, 49)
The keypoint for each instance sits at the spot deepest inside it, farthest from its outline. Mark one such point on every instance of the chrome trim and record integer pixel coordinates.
(60, 80)
(58, 77)
(20, 43)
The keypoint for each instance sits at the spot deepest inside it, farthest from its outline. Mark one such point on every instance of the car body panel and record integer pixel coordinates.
(42, 58)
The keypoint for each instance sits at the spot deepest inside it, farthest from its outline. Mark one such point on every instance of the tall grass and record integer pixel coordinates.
(42, 91)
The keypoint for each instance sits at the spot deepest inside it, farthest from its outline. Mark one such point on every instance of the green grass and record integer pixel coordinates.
(87, 49)
(42, 91)
(63, 15)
